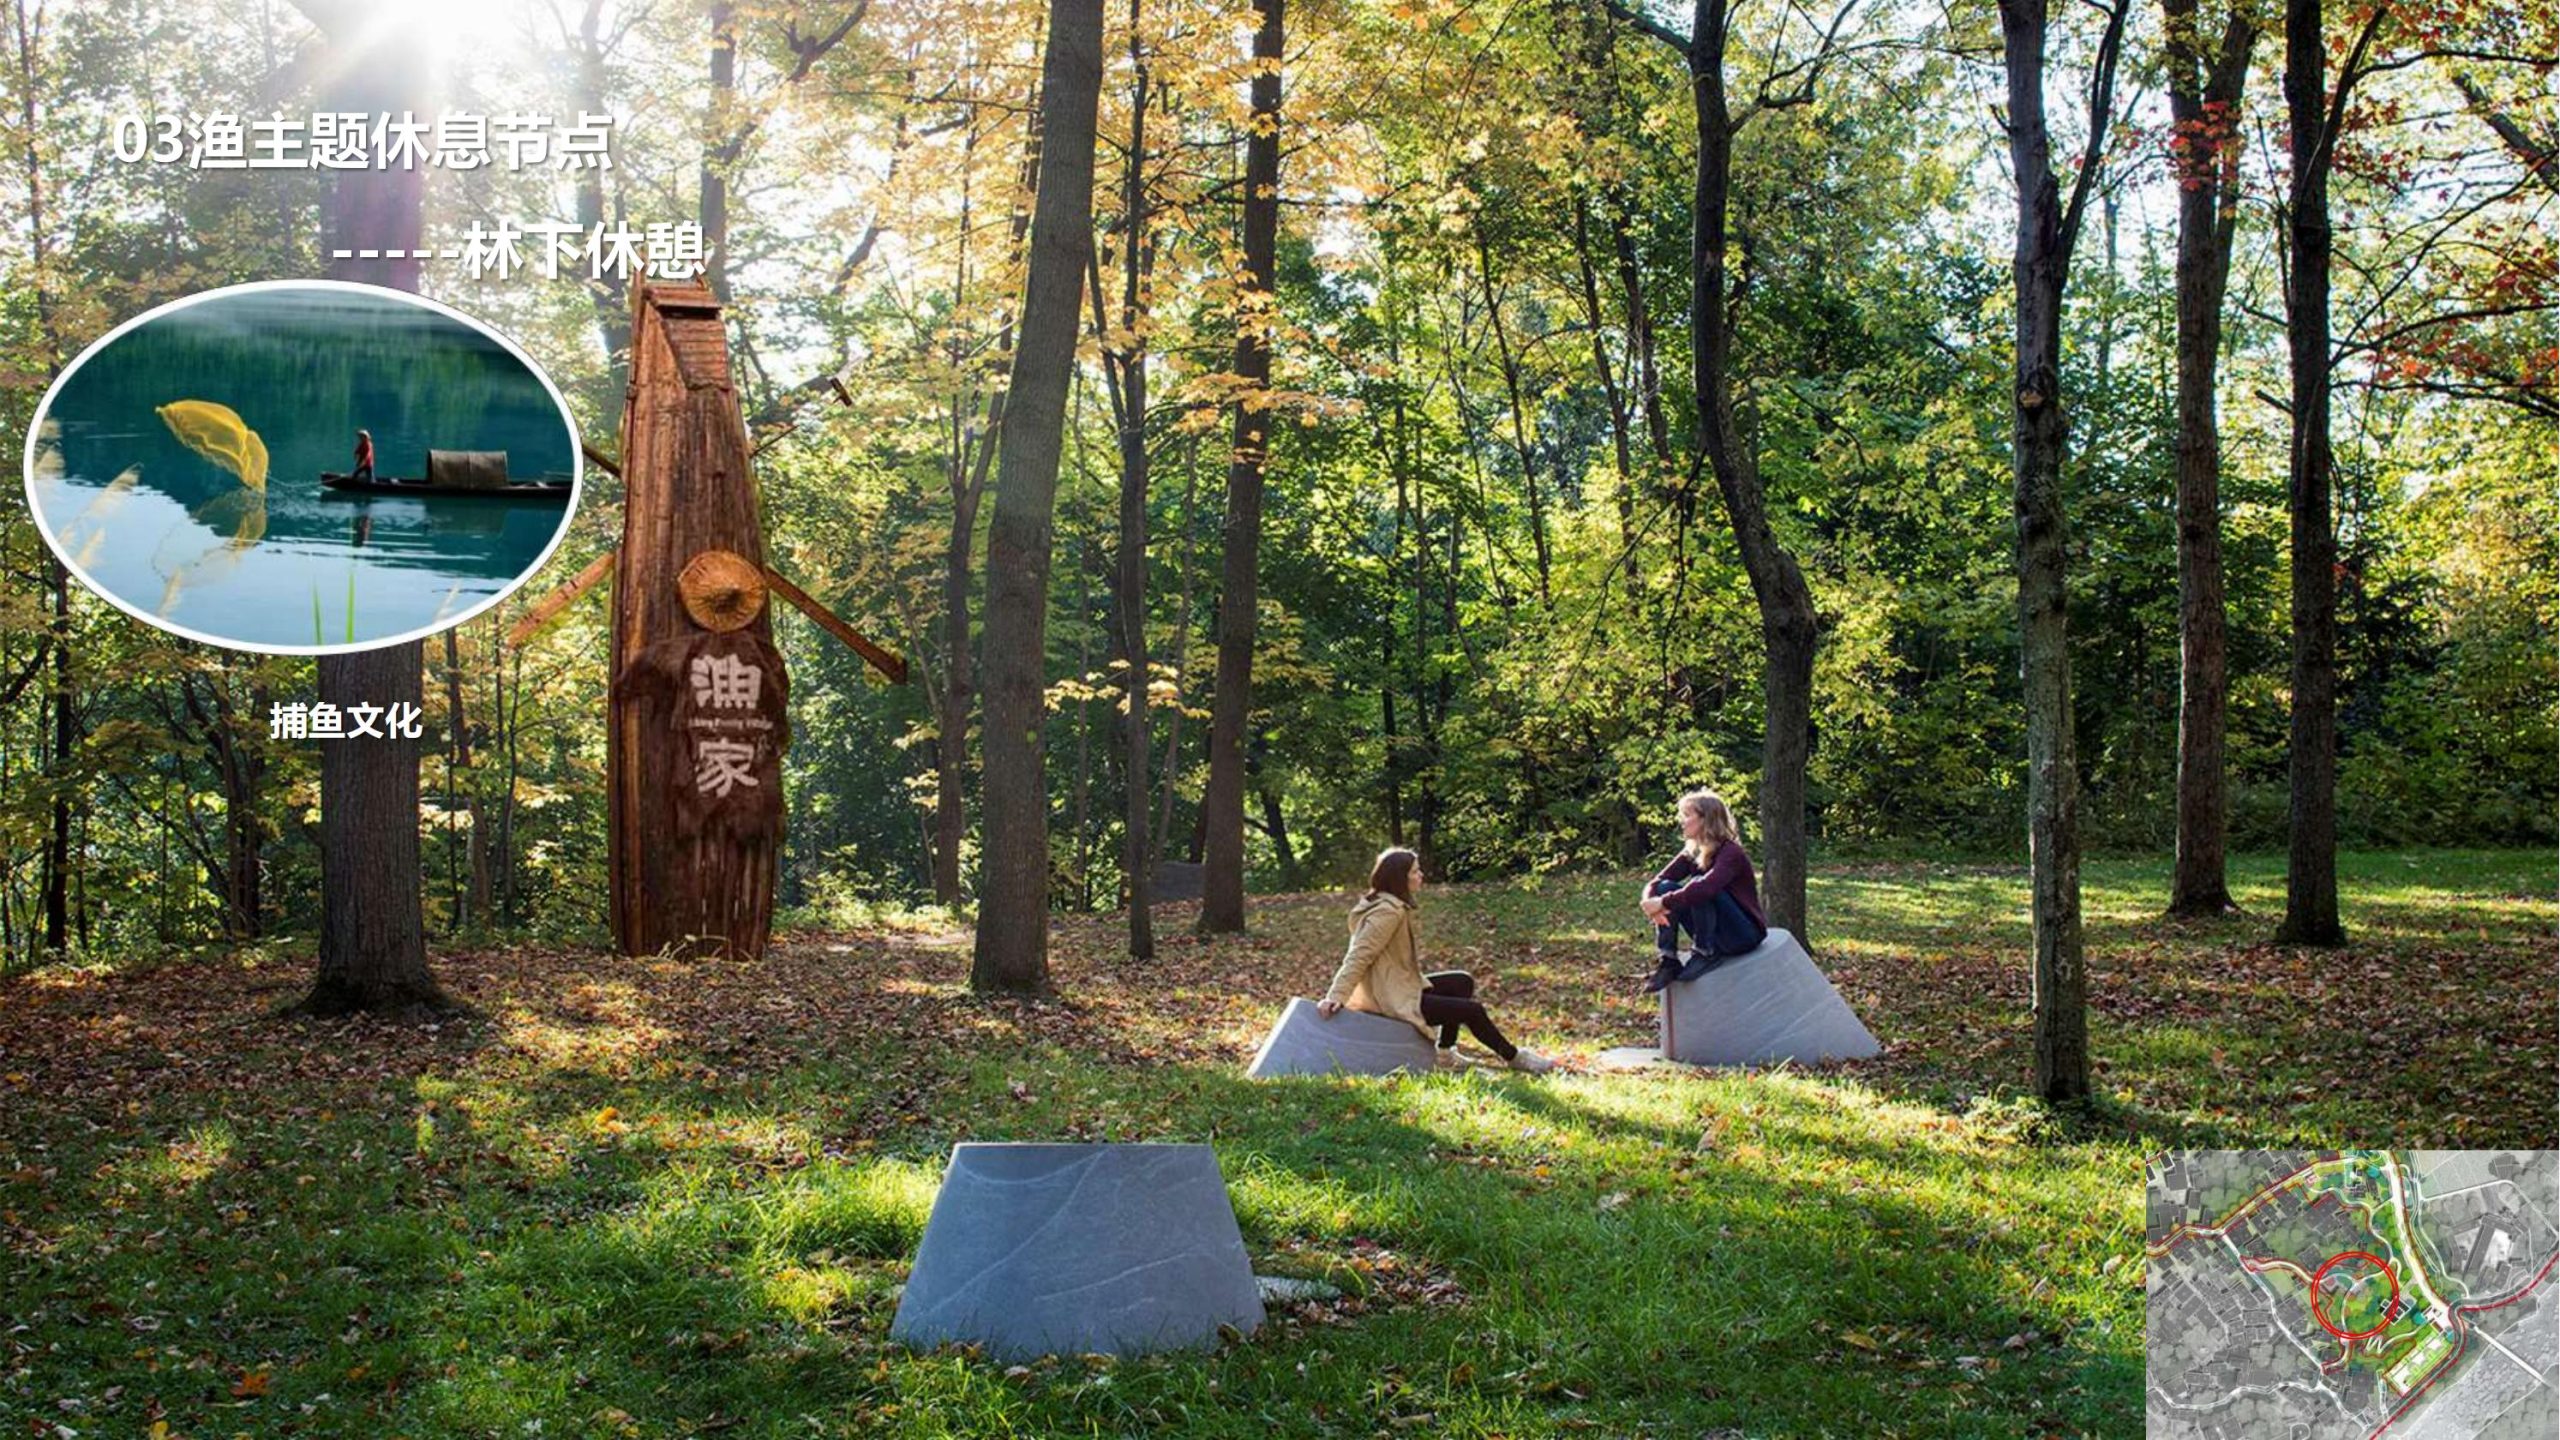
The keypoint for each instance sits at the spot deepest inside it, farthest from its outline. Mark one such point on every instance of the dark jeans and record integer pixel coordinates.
(1720, 927)
(1449, 1001)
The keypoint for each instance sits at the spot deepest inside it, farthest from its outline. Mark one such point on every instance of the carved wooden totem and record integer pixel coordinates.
(698, 720)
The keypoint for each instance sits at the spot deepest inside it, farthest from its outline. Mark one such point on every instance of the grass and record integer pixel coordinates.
(318, 635)
(649, 1197)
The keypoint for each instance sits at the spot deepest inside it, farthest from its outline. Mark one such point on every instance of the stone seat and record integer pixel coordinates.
(1353, 1042)
(1761, 1007)
(1079, 1249)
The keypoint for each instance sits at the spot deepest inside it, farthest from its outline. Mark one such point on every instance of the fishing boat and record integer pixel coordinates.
(471, 474)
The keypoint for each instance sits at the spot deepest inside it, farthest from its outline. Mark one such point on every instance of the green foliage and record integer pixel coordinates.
(1500, 618)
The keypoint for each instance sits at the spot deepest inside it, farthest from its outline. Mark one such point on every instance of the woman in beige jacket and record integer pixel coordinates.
(1382, 971)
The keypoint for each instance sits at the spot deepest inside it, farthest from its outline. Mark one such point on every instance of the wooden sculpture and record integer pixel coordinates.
(698, 692)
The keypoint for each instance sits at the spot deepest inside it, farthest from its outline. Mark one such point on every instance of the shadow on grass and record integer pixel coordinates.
(682, 1194)
(698, 1260)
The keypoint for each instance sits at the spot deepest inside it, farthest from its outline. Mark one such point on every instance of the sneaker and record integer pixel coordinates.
(1449, 1059)
(1663, 974)
(1700, 962)
(1530, 1062)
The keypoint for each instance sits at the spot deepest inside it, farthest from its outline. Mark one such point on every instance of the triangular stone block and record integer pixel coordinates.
(1761, 1007)
(1079, 1249)
(1353, 1042)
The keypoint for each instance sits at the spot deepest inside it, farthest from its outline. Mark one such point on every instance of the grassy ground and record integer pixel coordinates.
(657, 1198)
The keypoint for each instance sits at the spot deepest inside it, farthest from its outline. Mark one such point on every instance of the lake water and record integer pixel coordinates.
(176, 535)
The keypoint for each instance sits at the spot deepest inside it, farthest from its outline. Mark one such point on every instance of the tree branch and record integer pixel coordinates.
(1650, 26)
(2541, 159)
(2102, 89)
(811, 51)
(2384, 340)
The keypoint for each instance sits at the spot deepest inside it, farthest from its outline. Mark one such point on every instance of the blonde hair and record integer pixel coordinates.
(1718, 824)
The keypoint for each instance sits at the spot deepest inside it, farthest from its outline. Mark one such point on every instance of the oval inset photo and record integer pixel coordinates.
(302, 467)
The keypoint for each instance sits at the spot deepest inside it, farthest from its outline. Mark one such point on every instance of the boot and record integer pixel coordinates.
(1664, 973)
(1700, 962)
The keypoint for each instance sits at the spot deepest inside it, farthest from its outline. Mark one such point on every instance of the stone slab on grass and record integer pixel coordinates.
(1759, 1008)
(1618, 1059)
(1079, 1249)
(1178, 880)
(1353, 1042)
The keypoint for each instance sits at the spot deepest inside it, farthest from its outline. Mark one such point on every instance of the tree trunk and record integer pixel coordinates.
(607, 291)
(972, 449)
(373, 942)
(1657, 425)
(1436, 713)
(1391, 743)
(1171, 769)
(373, 953)
(2041, 263)
(1520, 446)
(1012, 951)
(723, 142)
(951, 726)
(1084, 725)
(231, 749)
(66, 738)
(510, 717)
(2204, 106)
(1276, 826)
(1788, 628)
(2311, 859)
(1222, 805)
(1129, 575)
(457, 725)
(244, 907)
(471, 905)
(59, 701)
(483, 874)
(1621, 445)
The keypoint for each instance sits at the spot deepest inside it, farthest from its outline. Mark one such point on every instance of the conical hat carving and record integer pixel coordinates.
(722, 590)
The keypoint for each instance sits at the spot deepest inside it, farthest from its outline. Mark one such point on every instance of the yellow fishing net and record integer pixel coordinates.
(217, 433)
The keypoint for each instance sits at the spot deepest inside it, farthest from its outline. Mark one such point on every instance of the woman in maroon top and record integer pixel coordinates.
(1707, 890)
(364, 458)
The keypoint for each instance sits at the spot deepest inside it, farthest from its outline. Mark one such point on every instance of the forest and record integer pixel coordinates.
(1497, 608)
(2079, 481)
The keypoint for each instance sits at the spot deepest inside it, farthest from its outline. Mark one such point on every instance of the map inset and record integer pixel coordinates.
(2354, 1294)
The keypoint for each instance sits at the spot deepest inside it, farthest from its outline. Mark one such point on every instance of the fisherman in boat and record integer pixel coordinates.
(364, 458)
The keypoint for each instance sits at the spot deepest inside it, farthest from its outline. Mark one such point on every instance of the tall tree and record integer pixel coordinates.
(1125, 364)
(973, 419)
(588, 48)
(2311, 855)
(2047, 231)
(61, 700)
(373, 947)
(1257, 313)
(1789, 629)
(2205, 81)
(226, 727)
(1013, 913)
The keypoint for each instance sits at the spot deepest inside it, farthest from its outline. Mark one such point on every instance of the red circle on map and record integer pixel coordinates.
(2386, 1305)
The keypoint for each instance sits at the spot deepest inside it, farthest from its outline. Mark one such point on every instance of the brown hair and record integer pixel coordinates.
(1720, 829)
(1393, 874)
